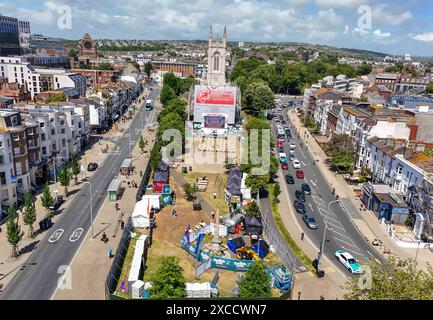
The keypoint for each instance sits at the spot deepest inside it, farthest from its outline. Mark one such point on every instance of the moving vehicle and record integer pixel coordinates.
(300, 195)
(299, 207)
(310, 221)
(292, 145)
(296, 164)
(148, 104)
(290, 179)
(306, 188)
(348, 261)
(300, 174)
(92, 166)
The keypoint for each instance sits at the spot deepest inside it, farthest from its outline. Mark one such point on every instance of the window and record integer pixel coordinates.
(62, 131)
(2, 178)
(53, 131)
(42, 124)
(43, 136)
(399, 169)
(15, 137)
(64, 143)
(44, 150)
(1, 159)
(216, 62)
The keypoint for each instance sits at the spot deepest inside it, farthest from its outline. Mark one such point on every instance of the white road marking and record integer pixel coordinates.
(345, 242)
(56, 235)
(76, 234)
(312, 182)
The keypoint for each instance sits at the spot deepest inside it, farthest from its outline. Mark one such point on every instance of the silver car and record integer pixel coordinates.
(310, 221)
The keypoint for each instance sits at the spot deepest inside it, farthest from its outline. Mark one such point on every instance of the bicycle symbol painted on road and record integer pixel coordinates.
(76, 234)
(56, 235)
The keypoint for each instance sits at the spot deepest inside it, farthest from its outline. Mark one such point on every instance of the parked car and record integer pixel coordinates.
(284, 166)
(300, 174)
(306, 188)
(284, 122)
(57, 203)
(290, 179)
(92, 166)
(300, 195)
(292, 157)
(296, 164)
(292, 145)
(279, 143)
(299, 207)
(281, 149)
(310, 221)
(348, 261)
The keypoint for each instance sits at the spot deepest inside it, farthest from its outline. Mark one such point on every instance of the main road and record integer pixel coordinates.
(341, 232)
(39, 279)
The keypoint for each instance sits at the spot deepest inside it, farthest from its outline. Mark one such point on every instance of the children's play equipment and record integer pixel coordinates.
(281, 279)
(247, 254)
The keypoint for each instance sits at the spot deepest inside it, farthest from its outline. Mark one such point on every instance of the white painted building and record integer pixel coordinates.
(8, 188)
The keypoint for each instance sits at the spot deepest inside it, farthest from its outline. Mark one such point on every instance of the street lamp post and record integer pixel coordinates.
(417, 249)
(91, 206)
(322, 244)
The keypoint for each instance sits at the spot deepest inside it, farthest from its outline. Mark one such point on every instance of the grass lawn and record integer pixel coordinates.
(286, 235)
(216, 183)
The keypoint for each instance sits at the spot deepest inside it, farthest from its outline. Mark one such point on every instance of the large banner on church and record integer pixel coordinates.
(215, 95)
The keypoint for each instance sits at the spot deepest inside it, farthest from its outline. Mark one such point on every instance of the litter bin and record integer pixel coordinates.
(320, 273)
(196, 206)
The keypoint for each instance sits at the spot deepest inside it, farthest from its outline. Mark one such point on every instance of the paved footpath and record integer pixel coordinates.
(366, 221)
(9, 266)
(91, 264)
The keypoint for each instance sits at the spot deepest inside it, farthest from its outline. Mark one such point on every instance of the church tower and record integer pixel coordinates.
(216, 65)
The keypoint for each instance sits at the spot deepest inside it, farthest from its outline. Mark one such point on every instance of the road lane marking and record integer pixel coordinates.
(56, 235)
(347, 243)
(76, 234)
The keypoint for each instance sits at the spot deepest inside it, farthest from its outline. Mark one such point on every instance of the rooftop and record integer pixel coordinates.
(423, 161)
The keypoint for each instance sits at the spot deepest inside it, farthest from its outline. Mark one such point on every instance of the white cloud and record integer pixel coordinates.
(384, 14)
(349, 4)
(378, 33)
(425, 37)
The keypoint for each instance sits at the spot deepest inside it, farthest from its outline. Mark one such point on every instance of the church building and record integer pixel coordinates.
(216, 103)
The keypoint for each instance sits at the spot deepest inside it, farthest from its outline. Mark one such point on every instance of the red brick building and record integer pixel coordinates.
(95, 77)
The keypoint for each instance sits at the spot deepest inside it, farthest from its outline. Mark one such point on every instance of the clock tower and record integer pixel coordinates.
(88, 48)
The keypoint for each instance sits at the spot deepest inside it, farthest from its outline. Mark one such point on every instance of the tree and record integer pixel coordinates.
(252, 209)
(277, 191)
(75, 168)
(257, 98)
(257, 182)
(429, 89)
(255, 283)
(342, 161)
(168, 281)
(148, 67)
(64, 178)
(72, 53)
(190, 190)
(61, 97)
(47, 199)
(341, 143)
(105, 66)
(141, 143)
(396, 279)
(14, 233)
(155, 157)
(29, 213)
(167, 94)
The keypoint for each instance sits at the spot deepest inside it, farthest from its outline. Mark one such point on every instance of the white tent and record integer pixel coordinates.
(137, 262)
(154, 200)
(140, 215)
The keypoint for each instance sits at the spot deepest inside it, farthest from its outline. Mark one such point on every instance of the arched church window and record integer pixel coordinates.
(216, 62)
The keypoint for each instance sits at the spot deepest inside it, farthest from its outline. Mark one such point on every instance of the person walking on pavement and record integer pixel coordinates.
(110, 252)
(122, 225)
(302, 236)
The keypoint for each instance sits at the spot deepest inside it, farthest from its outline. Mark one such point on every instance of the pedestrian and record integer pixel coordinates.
(214, 195)
(122, 225)
(322, 297)
(110, 252)
(302, 236)
(213, 215)
(141, 173)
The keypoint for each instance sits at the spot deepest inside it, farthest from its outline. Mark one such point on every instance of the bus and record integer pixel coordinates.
(148, 104)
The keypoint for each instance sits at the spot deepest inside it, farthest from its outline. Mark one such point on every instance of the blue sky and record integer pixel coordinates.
(397, 27)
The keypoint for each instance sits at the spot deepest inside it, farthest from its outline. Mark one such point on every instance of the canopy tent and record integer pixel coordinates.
(261, 247)
(154, 201)
(140, 215)
(253, 225)
(234, 181)
(160, 176)
(235, 244)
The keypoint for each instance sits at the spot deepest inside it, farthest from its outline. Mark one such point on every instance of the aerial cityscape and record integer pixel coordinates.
(277, 150)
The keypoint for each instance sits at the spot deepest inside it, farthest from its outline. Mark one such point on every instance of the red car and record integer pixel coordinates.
(285, 166)
(300, 174)
(279, 143)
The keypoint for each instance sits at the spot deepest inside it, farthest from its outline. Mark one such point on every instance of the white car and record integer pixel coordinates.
(296, 164)
(348, 261)
(292, 146)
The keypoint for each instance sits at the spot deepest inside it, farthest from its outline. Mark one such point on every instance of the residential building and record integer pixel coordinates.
(98, 77)
(9, 36)
(334, 114)
(184, 69)
(13, 122)
(47, 45)
(8, 188)
(407, 83)
(53, 79)
(389, 80)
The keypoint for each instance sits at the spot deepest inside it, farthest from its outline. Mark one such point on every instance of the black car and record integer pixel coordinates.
(57, 203)
(300, 195)
(290, 179)
(284, 122)
(306, 188)
(299, 206)
(92, 166)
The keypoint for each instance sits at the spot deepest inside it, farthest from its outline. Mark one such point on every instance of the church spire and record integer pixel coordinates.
(225, 36)
(210, 35)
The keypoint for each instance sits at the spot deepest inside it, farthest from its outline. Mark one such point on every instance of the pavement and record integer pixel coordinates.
(39, 277)
(365, 221)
